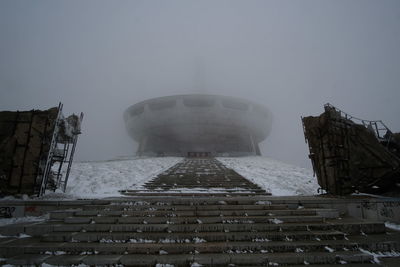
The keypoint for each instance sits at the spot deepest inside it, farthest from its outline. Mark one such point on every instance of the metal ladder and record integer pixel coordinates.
(60, 152)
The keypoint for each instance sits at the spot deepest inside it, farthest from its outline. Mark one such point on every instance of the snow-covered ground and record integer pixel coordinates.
(276, 177)
(105, 178)
(101, 179)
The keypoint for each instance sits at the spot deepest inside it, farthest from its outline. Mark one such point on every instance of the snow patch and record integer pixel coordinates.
(275, 221)
(26, 219)
(261, 240)
(278, 178)
(392, 226)
(378, 255)
(263, 202)
(199, 240)
(20, 235)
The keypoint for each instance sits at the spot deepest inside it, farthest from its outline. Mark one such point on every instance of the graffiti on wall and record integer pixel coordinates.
(6, 212)
(388, 210)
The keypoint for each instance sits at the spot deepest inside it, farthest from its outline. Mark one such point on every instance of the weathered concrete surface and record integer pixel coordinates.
(22, 147)
(350, 155)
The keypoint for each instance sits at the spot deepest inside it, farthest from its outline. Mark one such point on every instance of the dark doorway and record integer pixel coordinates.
(199, 154)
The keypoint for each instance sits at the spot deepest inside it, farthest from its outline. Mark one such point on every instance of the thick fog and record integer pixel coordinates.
(100, 57)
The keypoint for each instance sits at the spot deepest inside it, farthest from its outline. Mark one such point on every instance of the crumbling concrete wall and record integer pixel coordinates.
(349, 157)
(24, 141)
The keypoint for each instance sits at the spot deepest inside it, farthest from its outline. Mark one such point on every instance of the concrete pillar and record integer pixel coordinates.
(142, 146)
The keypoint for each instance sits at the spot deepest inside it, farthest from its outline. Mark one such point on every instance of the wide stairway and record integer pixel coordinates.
(198, 176)
(201, 230)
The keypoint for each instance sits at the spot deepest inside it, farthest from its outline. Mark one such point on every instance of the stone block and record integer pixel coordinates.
(97, 260)
(65, 260)
(27, 259)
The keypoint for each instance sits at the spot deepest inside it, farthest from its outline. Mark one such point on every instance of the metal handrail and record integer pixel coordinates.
(375, 126)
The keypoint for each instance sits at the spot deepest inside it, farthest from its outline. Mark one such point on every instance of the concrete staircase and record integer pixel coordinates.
(193, 231)
(236, 224)
(198, 176)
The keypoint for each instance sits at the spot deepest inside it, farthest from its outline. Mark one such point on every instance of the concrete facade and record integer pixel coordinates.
(178, 125)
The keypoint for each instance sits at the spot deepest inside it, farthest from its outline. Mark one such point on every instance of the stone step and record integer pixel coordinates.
(195, 181)
(114, 210)
(272, 259)
(353, 228)
(204, 183)
(203, 199)
(253, 259)
(203, 190)
(177, 193)
(365, 264)
(236, 187)
(200, 213)
(201, 183)
(189, 246)
(195, 219)
(223, 206)
(213, 179)
(207, 236)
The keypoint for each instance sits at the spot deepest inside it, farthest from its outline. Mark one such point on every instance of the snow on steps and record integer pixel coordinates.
(182, 231)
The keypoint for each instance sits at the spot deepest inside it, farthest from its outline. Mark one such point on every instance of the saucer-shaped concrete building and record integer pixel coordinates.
(184, 125)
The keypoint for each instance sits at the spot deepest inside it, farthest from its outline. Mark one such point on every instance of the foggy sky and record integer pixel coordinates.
(100, 57)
